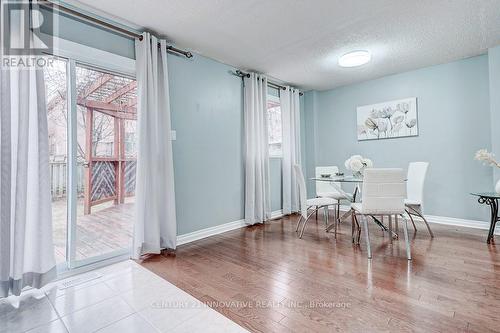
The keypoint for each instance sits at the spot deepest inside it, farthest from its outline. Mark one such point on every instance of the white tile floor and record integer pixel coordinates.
(127, 298)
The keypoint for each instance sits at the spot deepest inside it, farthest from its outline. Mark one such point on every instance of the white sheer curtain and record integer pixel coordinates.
(257, 186)
(290, 115)
(155, 224)
(26, 246)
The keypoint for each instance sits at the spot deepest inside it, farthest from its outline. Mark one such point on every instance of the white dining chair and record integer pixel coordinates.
(306, 204)
(384, 192)
(327, 189)
(415, 190)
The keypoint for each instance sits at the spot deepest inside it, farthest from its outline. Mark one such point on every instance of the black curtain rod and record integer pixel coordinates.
(88, 18)
(269, 83)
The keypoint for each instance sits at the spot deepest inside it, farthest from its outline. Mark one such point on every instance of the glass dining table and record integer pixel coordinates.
(357, 181)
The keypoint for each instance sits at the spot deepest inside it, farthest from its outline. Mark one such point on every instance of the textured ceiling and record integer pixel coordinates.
(299, 41)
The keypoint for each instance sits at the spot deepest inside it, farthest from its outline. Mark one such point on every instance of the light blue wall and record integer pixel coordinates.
(454, 122)
(207, 113)
(494, 74)
(206, 108)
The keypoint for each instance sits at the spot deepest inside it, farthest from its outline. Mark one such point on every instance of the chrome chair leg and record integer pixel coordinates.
(300, 219)
(428, 227)
(390, 223)
(335, 221)
(338, 211)
(367, 235)
(358, 230)
(390, 229)
(305, 222)
(298, 223)
(326, 212)
(352, 225)
(405, 229)
(355, 235)
(335, 215)
(425, 221)
(411, 219)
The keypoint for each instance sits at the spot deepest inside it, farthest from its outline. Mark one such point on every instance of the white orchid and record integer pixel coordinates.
(486, 157)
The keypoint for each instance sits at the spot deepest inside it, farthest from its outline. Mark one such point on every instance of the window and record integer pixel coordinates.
(274, 124)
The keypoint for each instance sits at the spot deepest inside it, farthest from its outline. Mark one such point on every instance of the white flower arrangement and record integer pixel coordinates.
(486, 157)
(357, 164)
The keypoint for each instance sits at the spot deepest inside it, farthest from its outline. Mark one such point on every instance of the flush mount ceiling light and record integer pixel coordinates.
(355, 58)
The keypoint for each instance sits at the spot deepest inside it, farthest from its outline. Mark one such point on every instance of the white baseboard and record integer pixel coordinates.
(459, 222)
(207, 232)
(453, 221)
(219, 229)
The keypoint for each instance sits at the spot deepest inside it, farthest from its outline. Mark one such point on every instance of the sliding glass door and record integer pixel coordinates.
(56, 78)
(92, 134)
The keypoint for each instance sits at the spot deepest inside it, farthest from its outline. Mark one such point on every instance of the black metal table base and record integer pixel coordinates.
(493, 203)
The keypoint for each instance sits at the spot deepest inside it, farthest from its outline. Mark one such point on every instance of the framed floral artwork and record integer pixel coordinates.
(393, 119)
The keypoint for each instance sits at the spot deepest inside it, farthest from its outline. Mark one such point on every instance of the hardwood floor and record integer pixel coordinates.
(267, 280)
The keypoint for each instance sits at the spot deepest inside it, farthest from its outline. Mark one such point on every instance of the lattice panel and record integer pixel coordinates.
(130, 167)
(103, 180)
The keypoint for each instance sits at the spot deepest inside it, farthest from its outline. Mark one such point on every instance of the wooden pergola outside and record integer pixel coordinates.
(110, 176)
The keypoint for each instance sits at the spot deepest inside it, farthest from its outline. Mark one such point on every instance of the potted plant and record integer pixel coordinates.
(488, 158)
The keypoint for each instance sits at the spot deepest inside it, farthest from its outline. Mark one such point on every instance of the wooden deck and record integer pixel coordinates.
(267, 280)
(107, 229)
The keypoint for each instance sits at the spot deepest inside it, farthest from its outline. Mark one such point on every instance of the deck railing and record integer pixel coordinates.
(59, 177)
